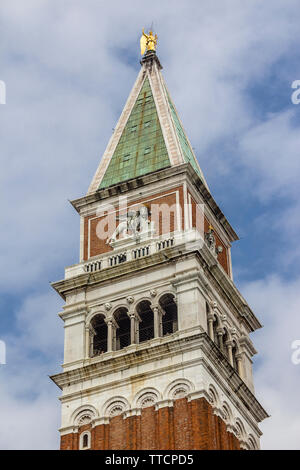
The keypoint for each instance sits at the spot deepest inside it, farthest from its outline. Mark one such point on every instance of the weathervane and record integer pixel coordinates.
(148, 42)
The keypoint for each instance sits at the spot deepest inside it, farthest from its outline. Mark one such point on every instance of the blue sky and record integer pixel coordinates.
(69, 67)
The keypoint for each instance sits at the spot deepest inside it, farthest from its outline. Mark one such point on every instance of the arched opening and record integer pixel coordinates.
(123, 330)
(146, 325)
(213, 396)
(227, 415)
(240, 430)
(99, 335)
(85, 440)
(252, 443)
(169, 319)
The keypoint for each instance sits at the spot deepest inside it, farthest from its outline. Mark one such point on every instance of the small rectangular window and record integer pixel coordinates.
(126, 157)
(147, 150)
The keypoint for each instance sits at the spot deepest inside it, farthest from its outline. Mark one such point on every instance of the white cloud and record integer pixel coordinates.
(271, 150)
(277, 380)
(68, 67)
(29, 424)
(29, 407)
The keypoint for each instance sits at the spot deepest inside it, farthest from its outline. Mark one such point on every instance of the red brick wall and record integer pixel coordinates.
(185, 426)
(98, 246)
(223, 256)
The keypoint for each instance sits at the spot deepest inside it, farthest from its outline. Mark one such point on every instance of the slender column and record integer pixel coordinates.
(210, 320)
(87, 342)
(229, 351)
(132, 328)
(156, 314)
(239, 365)
(220, 337)
(137, 328)
(109, 322)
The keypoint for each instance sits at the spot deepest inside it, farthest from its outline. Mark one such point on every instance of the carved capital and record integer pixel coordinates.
(238, 357)
(220, 331)
(110, 321)
(210, 317)
(157, 309)
(218, 412)
(132, 314)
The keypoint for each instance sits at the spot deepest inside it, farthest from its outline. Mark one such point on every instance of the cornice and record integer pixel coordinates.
(217, 366)
(212, 270)
(136, 183)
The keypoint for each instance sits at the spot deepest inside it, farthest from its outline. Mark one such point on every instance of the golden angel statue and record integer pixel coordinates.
(148, 42)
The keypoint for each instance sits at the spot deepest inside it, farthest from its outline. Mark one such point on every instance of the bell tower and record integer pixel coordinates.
(157, 351)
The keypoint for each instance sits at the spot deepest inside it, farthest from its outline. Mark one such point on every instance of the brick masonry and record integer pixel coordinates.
(223, 256)
(187, 425)
(99, 246)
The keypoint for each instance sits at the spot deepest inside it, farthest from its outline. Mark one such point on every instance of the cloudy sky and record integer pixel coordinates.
(69, 66)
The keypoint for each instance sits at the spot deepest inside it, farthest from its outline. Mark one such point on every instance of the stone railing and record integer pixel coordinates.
(127, 253)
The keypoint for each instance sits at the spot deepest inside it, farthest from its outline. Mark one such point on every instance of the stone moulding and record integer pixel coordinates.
(216, 273)
(217, 365)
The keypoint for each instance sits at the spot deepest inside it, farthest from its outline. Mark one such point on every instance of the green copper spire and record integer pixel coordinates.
(141, 148)
(184, 143)
(148, 136)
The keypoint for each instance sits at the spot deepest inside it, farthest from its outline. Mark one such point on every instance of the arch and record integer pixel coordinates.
(227, 413)
(85, 414)
(213, 396)
(146, 324)
(146, 397)
(85, 440)
(165, 292)
(93, 313)
(115, 406)
(98, 335)
(117, 307)
(122, 337)
(178, 388)
(170, 317)
(252, 443)
(240, 429)
(143, 298)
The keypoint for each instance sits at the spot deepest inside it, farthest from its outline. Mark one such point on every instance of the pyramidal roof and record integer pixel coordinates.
(149, 135)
